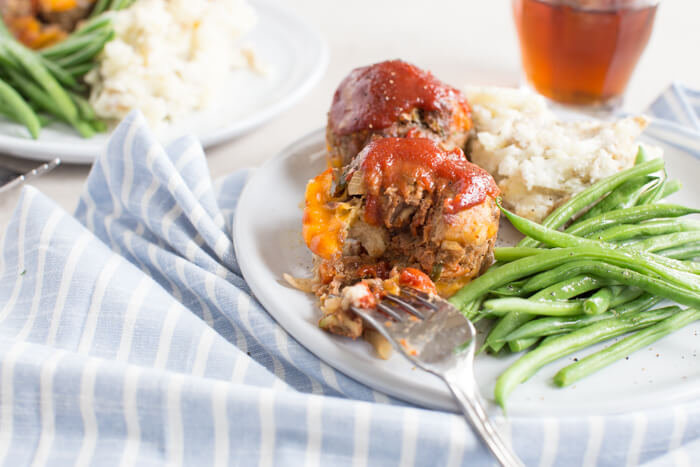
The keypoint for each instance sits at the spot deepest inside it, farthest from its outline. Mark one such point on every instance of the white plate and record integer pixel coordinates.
(294, 53)
(268, 243)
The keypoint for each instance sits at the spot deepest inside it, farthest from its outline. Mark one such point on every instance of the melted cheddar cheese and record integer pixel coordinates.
(446, 289)
(325, 221)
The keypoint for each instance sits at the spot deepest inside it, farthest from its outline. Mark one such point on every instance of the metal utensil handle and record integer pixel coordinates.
(476, 416)
(21, 179)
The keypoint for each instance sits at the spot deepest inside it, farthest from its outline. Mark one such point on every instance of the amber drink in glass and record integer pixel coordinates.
(579, 52)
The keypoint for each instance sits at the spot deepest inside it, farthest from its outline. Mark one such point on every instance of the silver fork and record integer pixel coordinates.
(436, 337)
(10, 178)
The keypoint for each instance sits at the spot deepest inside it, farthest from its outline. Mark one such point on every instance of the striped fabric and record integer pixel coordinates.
(678, 104)
(130, 338)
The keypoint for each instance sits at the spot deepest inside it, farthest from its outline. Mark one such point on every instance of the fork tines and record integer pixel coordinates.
(413, 302)
(398, 316)
(404, 304)
(422, 297)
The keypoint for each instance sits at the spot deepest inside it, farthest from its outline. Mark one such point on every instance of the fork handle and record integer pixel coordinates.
(475, 414)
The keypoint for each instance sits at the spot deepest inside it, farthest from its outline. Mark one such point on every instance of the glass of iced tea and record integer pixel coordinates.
(582, 52)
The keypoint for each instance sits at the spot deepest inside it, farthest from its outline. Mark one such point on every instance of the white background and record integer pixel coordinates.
(460, 41)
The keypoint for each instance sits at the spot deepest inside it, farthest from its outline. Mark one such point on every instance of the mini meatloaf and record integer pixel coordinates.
(402, 203)
(393, 99)
(39, 24)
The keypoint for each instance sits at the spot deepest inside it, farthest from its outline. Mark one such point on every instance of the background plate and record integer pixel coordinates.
(293, 52)
(268, 243)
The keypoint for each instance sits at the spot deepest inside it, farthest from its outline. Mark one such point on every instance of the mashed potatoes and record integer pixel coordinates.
(170, 57)
(539, 161)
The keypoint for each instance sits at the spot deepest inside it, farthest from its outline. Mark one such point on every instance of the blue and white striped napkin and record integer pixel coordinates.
(130, 338)
(678, 104)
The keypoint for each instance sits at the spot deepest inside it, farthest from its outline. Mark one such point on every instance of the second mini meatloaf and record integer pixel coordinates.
(393, 99)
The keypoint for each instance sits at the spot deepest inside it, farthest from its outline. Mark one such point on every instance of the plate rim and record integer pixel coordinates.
(362, 375)
(84, 151)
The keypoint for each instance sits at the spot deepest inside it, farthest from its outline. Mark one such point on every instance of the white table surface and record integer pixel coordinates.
(460, 41)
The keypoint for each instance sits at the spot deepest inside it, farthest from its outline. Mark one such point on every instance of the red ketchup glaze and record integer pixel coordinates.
(418, 280)
(374, 96)
(401, 162)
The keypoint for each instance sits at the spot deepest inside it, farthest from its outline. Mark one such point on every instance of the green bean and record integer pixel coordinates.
(100, 127)
(513, 253)
(114, 5)
(99, 8)
(503, 275)
(641, 156)
(6, 61)
(519, 345)
(87, 52)
(46, 120)
(20, 110)
(569, 288)
(557, 347)
(507, 254)
(654, 193)
(638, 260)
(622, 295)
(579, 201)
(560, 291)
(534, 264)
(4, 32)
(670, 187)
(679, 253)
(78, 71)
(84, 108)
(599, 302)
(33, 92)
(548, 339)
(510, 290)
(629, 215)
(642, 303)
(62, 75)
(618, 296)
(89, 26)
(664, 242)
(472, 310)
(32, 64)
(682, 252)
(42, 100)
(549, 326)
(650, 228)
(516, 320)
(624, 196)
(72, 44)
(84, 128)
(503, 327)
(501, 306)
(622, 275)
(6, 110)
(596, 361)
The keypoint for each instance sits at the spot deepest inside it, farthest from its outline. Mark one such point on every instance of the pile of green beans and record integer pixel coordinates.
(39, 87)
(594, 269)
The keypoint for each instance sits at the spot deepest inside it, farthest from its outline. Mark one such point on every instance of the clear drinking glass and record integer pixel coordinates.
(582, 52)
